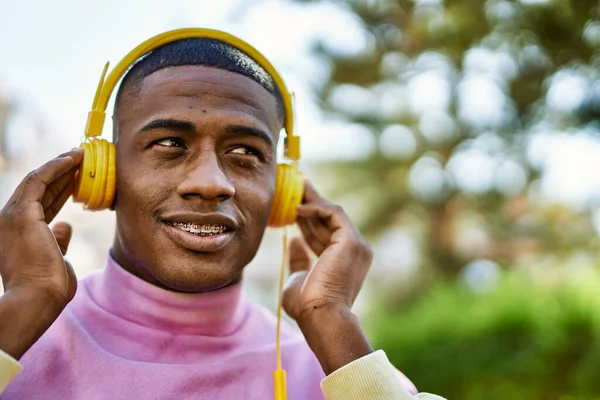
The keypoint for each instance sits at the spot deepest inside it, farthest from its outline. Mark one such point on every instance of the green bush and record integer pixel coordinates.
(523, 339)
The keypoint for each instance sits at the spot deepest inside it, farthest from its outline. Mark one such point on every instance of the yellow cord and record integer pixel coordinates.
(280, 291)
(279, 374)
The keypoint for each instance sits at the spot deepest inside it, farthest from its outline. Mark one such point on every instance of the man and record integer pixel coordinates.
(195, 126)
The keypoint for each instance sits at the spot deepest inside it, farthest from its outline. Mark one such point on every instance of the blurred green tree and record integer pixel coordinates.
(452, 92)
(527, 338)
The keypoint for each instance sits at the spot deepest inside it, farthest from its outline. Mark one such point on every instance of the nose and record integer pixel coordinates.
(206, 179)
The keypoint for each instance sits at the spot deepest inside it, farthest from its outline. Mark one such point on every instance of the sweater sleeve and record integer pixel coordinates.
(9, 369)
(371, 377)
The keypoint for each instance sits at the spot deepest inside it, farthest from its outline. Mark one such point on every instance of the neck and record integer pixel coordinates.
(210, 313)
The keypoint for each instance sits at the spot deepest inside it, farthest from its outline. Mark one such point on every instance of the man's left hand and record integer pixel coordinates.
(319, 297)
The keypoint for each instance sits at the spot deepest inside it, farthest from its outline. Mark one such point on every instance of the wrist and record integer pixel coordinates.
(26, 313)
(334, 334)
(45, 302)
(42, 295)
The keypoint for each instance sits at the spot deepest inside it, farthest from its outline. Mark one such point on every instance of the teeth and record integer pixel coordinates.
(204, 230)
(185, 227)
(195, 229)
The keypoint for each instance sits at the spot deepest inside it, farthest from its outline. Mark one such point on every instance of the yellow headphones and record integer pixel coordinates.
(96, 182)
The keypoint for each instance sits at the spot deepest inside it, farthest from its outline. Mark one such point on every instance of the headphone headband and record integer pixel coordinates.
(96, 116)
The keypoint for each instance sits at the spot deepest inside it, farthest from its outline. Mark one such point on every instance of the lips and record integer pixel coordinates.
(199, 232)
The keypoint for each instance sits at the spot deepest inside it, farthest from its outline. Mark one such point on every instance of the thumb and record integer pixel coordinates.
(300, 259)
(62, 232)
(291, 293)
(300, 263)
(72, 280)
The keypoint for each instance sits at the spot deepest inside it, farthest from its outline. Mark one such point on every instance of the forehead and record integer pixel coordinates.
(180, 89)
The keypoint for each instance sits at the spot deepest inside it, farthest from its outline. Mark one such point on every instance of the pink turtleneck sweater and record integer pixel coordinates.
(123, 338)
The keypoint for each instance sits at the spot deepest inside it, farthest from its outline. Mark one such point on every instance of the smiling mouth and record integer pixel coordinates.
(200, 230)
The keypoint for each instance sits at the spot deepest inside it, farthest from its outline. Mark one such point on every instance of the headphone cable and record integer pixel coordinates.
(279, 374)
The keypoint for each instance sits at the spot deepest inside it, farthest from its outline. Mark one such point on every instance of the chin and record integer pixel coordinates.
(182, 262)
(197, 273)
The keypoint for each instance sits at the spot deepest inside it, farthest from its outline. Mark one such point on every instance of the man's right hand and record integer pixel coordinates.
(38, 281)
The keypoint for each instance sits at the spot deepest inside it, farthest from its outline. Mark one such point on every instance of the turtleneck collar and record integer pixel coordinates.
(216, 313)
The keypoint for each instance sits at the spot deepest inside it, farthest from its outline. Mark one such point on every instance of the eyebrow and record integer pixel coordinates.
(251, 131)
(186, 126)
(173, 124)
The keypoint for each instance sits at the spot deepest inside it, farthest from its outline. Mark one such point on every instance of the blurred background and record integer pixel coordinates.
(462, 136)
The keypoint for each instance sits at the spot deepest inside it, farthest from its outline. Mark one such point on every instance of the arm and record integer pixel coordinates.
(335, 336)
(320, 296)
(38, 281)
(25, 315)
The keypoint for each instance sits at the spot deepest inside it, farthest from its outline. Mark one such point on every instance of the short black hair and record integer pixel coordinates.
(207, 52)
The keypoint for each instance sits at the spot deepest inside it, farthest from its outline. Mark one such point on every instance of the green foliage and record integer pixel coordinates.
(522, 340)
(522, 48)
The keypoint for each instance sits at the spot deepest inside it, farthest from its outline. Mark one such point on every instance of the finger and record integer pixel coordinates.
(36, 182)
(319, 229)
(294, 282)
(76, 154)
(299, 255)
(313, 242)
(55, 188)
(53, 209)
(62, 232)
(331, 215)
(34, 185)
(72, 280)
(291, 291)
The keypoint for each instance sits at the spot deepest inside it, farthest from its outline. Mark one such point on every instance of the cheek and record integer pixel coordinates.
(140, 187)
(255, 200)
(254, 203)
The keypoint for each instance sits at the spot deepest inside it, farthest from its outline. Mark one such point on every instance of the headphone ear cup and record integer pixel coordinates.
(95, 186)
(289, 190)
(85, 181)
(111, 178)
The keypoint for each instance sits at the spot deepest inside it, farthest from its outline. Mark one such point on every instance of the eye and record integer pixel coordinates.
(244, 150)
(169, 142)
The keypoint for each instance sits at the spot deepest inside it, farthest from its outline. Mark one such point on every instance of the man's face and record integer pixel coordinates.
(196, 163)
